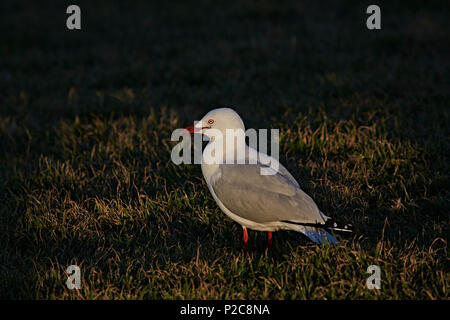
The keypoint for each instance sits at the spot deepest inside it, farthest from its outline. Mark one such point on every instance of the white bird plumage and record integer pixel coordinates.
(258, 202)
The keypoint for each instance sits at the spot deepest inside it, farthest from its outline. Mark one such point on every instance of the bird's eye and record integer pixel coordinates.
(210, 121)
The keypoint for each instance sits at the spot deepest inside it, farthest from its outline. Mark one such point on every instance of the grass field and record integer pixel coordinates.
(85, 124)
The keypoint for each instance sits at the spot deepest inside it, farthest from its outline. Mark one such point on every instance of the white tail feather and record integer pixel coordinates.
(319, 236)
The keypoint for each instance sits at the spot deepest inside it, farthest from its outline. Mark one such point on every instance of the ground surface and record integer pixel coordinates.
(85, 124)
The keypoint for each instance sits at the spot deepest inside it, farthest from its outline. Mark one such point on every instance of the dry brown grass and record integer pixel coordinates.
(85, 170)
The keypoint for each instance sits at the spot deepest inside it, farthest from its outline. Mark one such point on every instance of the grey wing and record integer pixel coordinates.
(263, 198)
(281, 169)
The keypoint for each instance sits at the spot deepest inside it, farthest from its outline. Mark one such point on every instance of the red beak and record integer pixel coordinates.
(192, 129)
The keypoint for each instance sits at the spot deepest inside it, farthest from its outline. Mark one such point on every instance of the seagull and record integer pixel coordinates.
(268, 202)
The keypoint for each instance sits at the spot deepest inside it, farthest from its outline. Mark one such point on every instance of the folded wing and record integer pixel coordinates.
(264, 198)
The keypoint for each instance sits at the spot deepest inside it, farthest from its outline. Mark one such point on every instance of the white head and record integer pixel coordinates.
(225, 122)
(218, 119)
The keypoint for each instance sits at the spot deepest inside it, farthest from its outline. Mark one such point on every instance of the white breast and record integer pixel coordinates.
(208, 170)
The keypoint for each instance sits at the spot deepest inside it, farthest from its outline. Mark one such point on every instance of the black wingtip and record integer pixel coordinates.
(331, 224)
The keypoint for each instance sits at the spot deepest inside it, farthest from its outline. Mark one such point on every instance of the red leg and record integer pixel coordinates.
(269, 240)
(245, 238)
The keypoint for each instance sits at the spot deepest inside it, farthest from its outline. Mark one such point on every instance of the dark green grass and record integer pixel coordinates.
(85, 125)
